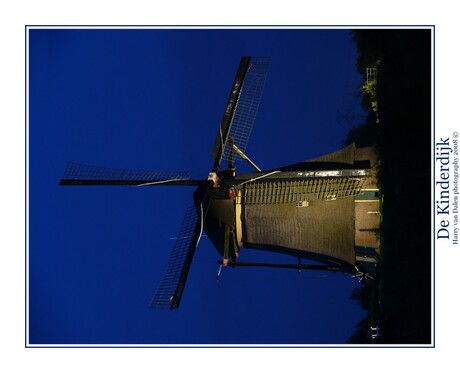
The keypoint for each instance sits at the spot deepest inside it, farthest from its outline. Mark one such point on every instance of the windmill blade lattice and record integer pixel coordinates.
(247, 105)
(169, 292)
(81, 174)
(241, 109)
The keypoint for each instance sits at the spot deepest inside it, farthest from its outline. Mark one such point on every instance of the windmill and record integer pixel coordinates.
(283, 210)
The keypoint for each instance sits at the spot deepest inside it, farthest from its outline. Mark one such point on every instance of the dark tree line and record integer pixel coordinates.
(402, 134)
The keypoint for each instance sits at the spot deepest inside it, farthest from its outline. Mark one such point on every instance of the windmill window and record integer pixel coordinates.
(301, 204)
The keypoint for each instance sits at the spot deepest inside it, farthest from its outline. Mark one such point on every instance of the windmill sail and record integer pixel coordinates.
(169, 292)
(81, 174)
(241, 109)
(247, 105)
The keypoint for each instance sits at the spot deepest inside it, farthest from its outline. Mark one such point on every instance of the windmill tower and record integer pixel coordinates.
(307, 210)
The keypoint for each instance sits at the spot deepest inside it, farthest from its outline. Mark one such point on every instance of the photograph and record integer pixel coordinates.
(225, 186)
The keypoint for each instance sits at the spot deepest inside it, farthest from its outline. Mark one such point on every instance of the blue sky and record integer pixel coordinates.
(153, 99)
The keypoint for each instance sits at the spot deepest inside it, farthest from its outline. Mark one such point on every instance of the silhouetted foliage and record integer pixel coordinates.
(361, 295)
(361, 334)
(401, 303)
(362, 135)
